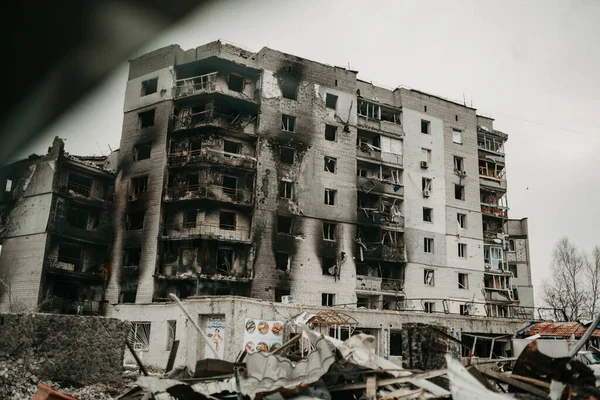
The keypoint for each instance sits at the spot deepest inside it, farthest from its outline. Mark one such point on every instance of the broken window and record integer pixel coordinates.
(225, 258)
(330, 133)
(367, 109)
(227, 220)
(69, 257)
(511, 245)
(149, 86)
(279, 293)
(282, 261)
(425, 125)
(235, 83)
(230, 185)
(463, 309)
(429, 306)
(231, 147)
(390, 115)
(391, 175)
(330, 164)
(429, 277)
(135, 220)
(426, 184)
(328, 299)
(395, 343)
(513, 269)
(284, 224)
(79, 184)
(286, 189)
(288, 123)
(459, 192)
(457, 136)
(146, 118)
(132, 256)
(462, 250)
(189, 218)
(328, 265)
(171, 334)
(289, 87)
(426, 154)
(427, 214)
(428, 245)
(195, 146)
(329, 231)
(331, 101)
(139, 336)
(463, 281)
(459, 164)
(492, 256)
(139, 185)
(287, 155)
(141, 151)
(462, 220)
(81, 218)
(362, 172)
(330, 197)
(192, 181)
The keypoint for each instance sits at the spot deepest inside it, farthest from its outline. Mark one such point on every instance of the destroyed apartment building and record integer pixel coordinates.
(255, 185)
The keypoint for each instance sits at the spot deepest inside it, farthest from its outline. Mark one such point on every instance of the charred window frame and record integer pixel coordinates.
(287, 155)
(283, 261)
(132, 256)
(284, 224)
(141, 151)
(229, 146)
(189, 218)
(149, 86)
(327, 265)
(135, 221)
(227, 220)
(279, 293)
(235, 83)
(146, 118)
(288, 123)
(139, 185)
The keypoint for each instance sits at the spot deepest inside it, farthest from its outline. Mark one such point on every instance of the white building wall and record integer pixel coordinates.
(133, 100)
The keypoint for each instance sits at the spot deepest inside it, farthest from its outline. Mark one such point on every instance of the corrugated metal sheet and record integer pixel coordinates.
(559, 329)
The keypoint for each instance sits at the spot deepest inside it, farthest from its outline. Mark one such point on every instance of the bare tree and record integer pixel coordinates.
(566, 289)
(592, 275)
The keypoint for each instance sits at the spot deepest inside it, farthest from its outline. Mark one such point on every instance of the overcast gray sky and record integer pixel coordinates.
(533, 66)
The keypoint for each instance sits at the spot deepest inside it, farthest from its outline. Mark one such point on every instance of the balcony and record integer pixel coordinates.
(494, 210)
(211, 118)
(213, 83)
(83, 194)
(375, 154)
(375, 185)
(492, 182)
(61, 305)
(210, 192)
(380, 125)
(378, 251)
(377, 284)
(370, 217)
(190, 231)
(72, 267)
(101, 235)
(213, 156)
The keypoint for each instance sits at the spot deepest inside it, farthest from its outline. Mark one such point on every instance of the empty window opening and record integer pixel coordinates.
(429, 277)
(139, 336)
(511, 245)
(288, 123)
(289, 87)
(362, 172)
(227, 220)
(335, 82)
(426, 185)
(189, 218)
(142, 151)
(395, 343)
(462, 220)
(282, 261)
(329, 231)
(459, 192)
(135, 220)
(330, 195)
(132, 256)
(368, 109)
(462, 250)
(457, 136)
(425, 126)
(79, 184)
(139, 185)
(331, 101)
(287, 155)
(225, 258)
(231, 147)
(456, 118)
(230, 185)
(464, 309)
(328, 299)
(330, 164)
(146, 118)
(328, 265)
(235, 83)
(70, 257)
(428, 245)
(330, 133)
(427, 214)
(171, 334)
(195, 146)
(81, 218)
(192, 181)
(286, 189)
(429, 306)
(390, 115)
(459, 164)
(284, 225)
(425, 108)
(149, 86)
(463, 281)
(513, 269)
(280, 293)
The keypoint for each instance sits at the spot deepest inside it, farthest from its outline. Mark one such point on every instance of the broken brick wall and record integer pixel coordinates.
(63, 347)
(424, 346)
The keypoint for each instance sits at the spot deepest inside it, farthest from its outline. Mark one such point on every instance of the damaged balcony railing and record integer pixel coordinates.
(494, 210)
(380, 251)
(236, 121)
(191, 230)
(61, 305)
(211, 155)
(79, 189)
(101, 234)
(74, 265)
(211, 192)
(378, 284)
(196, 85)
(374, 215)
